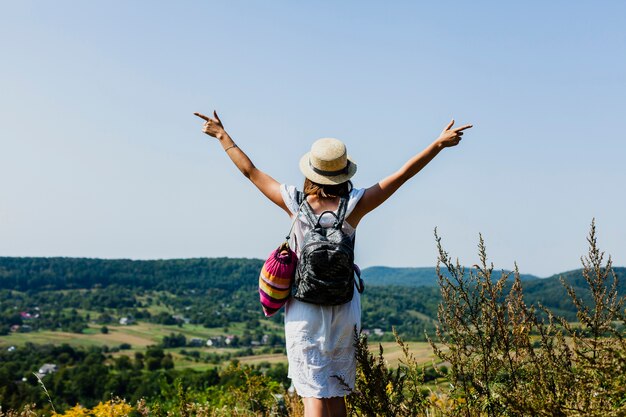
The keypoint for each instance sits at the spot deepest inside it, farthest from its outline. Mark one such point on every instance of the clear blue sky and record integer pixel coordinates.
(100, 155)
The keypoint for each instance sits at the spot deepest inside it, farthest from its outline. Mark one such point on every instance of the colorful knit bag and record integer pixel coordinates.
(277, 275)
(276, 278)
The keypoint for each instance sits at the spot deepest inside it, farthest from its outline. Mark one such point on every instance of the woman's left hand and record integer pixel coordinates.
(212, 127)
(451, 137)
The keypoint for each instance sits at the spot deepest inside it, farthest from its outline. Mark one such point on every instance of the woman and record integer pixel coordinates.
(319, 338)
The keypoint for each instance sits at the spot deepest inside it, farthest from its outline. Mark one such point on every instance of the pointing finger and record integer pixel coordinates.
(202, 116)
(459, 129)
(449, 124)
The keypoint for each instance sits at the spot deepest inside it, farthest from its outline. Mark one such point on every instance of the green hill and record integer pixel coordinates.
(410, 277)
(217, 291)
(551, 293)
(37, 274)
(547, 291)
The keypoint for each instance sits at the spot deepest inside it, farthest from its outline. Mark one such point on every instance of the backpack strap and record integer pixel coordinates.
(341, 211)
(306, 208)
(299, 197)
(360, 286)
(295, 219)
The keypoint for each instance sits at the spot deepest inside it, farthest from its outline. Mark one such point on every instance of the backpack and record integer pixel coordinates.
(325, 272)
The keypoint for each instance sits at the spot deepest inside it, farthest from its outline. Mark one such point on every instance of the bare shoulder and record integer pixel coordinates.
(361, 207)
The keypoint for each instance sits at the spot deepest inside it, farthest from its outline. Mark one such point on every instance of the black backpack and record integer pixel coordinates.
(325, 272)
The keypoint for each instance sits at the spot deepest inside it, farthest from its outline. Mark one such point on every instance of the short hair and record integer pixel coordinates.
(327, 190)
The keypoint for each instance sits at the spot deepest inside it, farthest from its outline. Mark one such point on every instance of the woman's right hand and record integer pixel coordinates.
(212, 127)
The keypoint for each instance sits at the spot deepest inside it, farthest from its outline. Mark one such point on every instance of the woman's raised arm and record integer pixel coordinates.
(375, 195)
(266, 184)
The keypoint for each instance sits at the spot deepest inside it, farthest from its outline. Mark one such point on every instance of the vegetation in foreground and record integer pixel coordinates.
(499, 357)
(503, 358)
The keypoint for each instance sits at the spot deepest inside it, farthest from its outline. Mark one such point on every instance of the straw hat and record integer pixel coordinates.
(327, 162)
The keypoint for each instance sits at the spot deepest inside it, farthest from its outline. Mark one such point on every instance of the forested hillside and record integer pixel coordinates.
(209, 292)
(36, 274)
(214, 292)
(410, 277)
(547, 291)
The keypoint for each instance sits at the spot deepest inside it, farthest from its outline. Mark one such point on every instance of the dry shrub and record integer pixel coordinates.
(295, 407)
(381, 391)
(506, 360)
(27, 411)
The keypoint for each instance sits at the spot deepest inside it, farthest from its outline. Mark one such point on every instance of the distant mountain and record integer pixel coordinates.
(551, 293)
(413, 277)
(406, 277)
(548, 292)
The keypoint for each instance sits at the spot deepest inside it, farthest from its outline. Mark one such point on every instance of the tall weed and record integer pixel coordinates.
(507, 360)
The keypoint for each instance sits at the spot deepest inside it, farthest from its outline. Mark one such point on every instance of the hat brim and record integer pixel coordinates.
(308, 172)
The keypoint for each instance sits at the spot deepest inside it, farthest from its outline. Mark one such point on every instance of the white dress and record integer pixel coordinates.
(320, 339)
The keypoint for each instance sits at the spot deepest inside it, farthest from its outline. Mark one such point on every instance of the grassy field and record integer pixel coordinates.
(421, 351)
(142, 334)
(139, 334)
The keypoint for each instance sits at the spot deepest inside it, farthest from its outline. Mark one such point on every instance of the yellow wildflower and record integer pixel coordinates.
(76, 411)
(389, 388)
(112, 409)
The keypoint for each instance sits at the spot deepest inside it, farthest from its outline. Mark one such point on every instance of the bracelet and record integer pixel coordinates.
(230, 147)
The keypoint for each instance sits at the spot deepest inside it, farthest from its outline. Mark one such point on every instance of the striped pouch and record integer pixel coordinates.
(276, 278)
